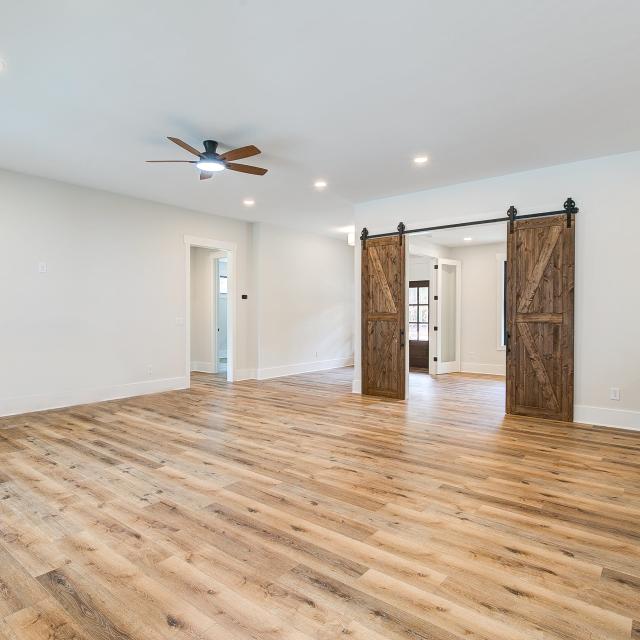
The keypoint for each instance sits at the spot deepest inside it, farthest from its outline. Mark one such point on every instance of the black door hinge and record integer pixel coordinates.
(435, 328)
(435, 297)
(435, 358)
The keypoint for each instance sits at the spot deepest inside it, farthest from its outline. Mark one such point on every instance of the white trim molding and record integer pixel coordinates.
(203, 367)
(245, 374)
(500, 260)
(606, 417)
(303, 367)
(29, 404)
(480, 367)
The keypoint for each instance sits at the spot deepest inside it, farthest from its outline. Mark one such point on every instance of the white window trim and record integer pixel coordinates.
(500, 259)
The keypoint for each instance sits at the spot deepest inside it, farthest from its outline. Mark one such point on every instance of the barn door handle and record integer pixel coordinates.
(402, 337)
(507, 335)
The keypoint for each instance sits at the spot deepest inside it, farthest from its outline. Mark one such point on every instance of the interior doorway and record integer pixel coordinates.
(515, 322)
(220, 293)
(419, 324)
(210, 307)
(459, 274)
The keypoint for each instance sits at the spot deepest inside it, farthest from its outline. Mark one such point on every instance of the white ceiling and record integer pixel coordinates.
(346, 91)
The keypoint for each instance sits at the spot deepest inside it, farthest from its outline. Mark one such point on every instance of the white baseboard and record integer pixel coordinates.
(28, 404)
(606, 417)
(479, 367)
(245, 374)
(356, 385)
(203, 367)
(303, 367)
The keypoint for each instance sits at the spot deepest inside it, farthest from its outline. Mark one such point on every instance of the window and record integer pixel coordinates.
(223, 284)
(502, 300)
(419, 310)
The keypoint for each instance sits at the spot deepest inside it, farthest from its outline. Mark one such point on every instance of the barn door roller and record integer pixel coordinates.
(569, 208)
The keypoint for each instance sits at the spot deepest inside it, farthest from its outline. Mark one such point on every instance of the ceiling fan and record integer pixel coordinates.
(210, 161)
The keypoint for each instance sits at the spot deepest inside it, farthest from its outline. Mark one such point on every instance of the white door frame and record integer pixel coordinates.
(215, 292)
(453, 365)
(231, 248)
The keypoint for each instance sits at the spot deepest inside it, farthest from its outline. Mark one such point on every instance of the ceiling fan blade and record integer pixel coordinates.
(185, 146)
(242, 152)
(246, 168)
(205, 175)
(187, 161)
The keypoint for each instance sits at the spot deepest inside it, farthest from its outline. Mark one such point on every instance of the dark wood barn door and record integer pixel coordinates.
(540, 267)
(383, 317)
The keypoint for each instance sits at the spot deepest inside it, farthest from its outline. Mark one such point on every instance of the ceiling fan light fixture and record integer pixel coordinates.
(211, 165)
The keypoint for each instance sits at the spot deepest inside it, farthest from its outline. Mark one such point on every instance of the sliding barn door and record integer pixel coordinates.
(383, 317)
(540, 264)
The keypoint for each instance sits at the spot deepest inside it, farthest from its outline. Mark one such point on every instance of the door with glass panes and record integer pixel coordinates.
(419, 324)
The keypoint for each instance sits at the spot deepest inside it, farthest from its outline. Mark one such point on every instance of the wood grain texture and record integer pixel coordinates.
(383, 317)
(540, 272)
(294, 509)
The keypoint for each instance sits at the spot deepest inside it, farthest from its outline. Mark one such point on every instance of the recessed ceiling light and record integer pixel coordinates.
(420, 159)
(319, 184)
(248, 202)
(467, 239)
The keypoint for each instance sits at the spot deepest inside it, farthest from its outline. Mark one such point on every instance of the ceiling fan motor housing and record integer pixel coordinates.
(210, 149)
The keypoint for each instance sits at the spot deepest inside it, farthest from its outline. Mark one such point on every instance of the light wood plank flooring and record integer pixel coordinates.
(293, 509)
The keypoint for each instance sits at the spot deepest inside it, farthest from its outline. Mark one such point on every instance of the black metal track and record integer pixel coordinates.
(512, 214)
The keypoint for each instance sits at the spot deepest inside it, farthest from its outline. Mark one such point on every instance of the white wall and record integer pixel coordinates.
(107, 319)
(305, 301)
(607, 334)
(479, 350)
(419, 268)
(202, 309)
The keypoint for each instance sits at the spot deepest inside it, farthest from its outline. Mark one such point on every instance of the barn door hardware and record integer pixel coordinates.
(570, 208)
(512, 212)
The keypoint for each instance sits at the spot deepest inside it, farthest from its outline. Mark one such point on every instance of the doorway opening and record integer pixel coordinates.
(210, 307)
(533, 353)
(419, 324)
(456, 307)
(219, 324)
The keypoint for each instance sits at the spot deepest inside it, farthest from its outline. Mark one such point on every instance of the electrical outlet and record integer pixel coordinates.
(42, 267)
(614, 393)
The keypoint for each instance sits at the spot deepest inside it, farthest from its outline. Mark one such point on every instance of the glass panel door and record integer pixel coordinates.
(448, 313)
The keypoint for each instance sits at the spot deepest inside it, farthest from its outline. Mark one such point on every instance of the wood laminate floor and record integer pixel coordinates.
(293, 509)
